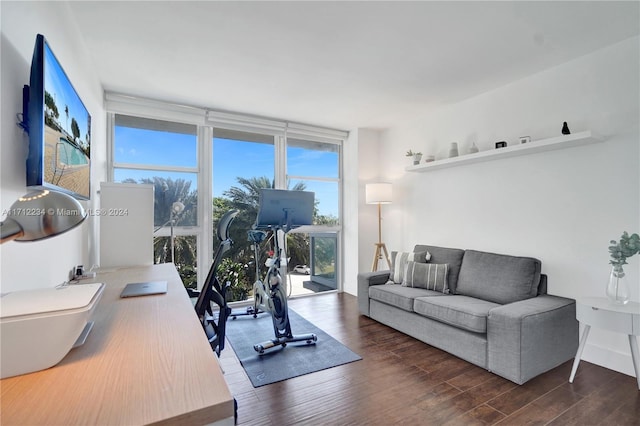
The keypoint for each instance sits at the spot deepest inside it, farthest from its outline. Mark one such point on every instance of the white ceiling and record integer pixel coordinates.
(337, 64)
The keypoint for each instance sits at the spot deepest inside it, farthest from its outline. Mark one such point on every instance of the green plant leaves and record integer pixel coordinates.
(628, 246)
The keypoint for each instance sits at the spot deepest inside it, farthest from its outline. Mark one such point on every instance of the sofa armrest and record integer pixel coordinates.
(529, 337)
(365, 280)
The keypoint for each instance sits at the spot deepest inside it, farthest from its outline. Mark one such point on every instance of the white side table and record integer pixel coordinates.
(599, 312)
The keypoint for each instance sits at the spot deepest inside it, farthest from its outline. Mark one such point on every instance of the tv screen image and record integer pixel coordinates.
(59, 128)
(284, 208)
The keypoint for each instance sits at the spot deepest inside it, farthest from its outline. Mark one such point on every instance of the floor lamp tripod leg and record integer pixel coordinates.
(386, 255)
(376, 257)
(380, 247)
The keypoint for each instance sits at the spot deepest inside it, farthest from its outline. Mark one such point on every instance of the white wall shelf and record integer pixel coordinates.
(533, 147)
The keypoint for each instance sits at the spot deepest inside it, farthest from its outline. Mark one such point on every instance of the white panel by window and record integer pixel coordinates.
(126, 224)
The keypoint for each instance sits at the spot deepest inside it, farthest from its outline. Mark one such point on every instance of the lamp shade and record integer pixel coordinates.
(41, 214)
(379, 193)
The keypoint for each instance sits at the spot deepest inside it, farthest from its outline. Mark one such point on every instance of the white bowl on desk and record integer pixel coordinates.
(39, 327)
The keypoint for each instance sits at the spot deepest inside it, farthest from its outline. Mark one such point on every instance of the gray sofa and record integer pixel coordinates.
(493, 312)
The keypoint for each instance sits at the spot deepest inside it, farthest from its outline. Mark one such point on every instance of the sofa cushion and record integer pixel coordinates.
(542, 287)
(465, 312)
(432, 276)
(452, 256)
(497, 277)
(399, 261)
(399, 296)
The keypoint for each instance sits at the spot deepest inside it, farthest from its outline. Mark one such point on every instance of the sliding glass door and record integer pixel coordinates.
(324, 261)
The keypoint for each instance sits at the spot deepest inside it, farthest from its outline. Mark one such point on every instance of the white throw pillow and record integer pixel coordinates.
(399, 263)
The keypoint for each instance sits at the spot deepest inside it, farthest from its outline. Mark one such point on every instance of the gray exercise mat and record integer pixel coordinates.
(277, 364)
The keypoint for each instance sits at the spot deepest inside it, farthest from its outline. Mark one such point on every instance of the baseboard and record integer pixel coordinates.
(608, 358)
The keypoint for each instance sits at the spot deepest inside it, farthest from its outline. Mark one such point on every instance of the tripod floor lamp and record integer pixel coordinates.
(379, 193)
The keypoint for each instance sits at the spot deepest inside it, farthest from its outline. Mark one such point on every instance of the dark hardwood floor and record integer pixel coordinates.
(401, 380)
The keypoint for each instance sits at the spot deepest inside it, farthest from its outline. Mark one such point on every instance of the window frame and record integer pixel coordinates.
(338, 179)
(206, 121)
(198, 230)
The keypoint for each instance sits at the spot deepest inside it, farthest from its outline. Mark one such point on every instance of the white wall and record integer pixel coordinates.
(369, 172)
(562, 207)
(43, 263)
(361, 156)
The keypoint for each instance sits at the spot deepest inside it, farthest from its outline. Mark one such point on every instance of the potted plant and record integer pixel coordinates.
(617, 290)
(415, 156)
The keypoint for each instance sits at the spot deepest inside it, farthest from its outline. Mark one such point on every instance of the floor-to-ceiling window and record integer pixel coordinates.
(243, 163)
(192, 156)
(315, 165)
(164, 154)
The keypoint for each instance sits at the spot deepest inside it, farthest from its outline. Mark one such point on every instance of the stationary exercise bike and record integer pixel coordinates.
(280, 211)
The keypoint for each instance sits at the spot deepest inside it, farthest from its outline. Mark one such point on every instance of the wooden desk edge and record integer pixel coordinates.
(209, 399)
(214, 415)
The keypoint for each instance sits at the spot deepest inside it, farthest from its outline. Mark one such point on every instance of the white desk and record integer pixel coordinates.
(147, 360)
(599, 312)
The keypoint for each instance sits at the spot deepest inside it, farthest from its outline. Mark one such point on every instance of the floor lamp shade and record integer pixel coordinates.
(379, 193)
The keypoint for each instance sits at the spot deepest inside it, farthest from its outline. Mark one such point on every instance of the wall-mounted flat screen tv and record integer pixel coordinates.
(59, 128)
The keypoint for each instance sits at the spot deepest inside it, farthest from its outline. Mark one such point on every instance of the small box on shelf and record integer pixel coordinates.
(542, 145)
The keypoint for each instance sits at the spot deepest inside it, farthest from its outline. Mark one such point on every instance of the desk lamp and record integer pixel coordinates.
(379, 193)
(62, 311)
(41, 214)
